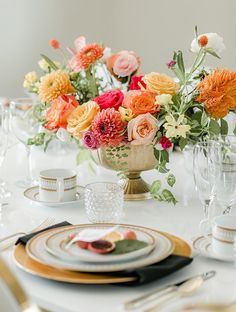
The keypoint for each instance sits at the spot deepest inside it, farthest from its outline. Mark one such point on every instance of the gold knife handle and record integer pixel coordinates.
(136, 303)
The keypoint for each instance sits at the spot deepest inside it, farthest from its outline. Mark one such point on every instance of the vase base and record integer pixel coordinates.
(135, 188)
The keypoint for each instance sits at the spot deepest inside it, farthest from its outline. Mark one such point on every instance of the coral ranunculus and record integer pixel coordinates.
(109, 99)
(142, 129)
(141, 102)
(53, 85)
(160, 84)
(86, 57)
(123, 64)
(81, 118)
(217, 92)
(59, 111)
(108, 127)
(137, 83)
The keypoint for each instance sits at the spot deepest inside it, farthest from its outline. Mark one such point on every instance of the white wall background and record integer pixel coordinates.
(152, 28)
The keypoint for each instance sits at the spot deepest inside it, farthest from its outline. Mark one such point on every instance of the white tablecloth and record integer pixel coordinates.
(181, 220)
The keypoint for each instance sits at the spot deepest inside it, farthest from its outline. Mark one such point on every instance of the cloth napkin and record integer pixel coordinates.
(143, 275)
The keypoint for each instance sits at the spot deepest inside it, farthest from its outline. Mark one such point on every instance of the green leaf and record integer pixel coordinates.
(128, 245)
(50, 62)
(212, 52)
(164, 156)
(235, 131)
(204, 119)
(197, 116)
(82, 156)
(183, 142)
(180, 62)
(224, 127)
(214, 127)
(156, 153)
(155, 187)
(168, 196)
(38, 139)
(171, 179)
(157, 197)
(161, 167)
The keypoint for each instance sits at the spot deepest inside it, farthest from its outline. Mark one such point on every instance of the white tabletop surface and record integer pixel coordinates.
(181, 220)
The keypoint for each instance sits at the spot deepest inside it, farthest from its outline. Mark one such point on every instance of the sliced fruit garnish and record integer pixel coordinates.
(113, 236)
(130, 235)
(83, 245)
(101, 246)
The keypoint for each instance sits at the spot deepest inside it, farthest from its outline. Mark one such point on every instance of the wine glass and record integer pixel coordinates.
(4, 131)
(24, 126)
(223, 157)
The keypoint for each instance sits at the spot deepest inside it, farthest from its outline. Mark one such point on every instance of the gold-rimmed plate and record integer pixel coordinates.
(37, 251)
(56, 244)
(25, 263)
(32, 193)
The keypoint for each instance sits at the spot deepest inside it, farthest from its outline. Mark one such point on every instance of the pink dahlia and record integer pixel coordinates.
(108, 127)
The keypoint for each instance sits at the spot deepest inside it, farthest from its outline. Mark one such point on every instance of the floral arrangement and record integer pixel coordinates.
(101, 100)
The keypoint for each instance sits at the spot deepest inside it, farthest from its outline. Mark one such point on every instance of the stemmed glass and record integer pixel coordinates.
(223, 157)
(24, 126)
(4, 131)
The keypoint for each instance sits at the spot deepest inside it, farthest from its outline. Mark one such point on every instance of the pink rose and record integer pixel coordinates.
(142, 129)
(109, 99)
(136, 81)
(123, 64)
(89, 141)
(165, 142)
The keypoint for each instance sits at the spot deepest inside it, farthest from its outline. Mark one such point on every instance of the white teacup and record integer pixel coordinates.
(223, 235)
(57, 185)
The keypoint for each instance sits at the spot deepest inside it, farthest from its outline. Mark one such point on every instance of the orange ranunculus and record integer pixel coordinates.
(81, 118)
(59, 111)
(160, 84)
(217, 92)
(141, 102)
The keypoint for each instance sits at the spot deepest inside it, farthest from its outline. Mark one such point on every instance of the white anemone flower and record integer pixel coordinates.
(208, 40)
(174, 128)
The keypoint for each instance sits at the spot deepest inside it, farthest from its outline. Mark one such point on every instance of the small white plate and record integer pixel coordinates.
(56, 245)
(203, 245)
(36, 250)
(32, 193)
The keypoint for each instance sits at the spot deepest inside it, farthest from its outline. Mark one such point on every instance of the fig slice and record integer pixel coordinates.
(101, 246)
(83, 245)
(130, 235)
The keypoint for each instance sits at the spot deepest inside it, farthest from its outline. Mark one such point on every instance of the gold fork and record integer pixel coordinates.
(5, 241)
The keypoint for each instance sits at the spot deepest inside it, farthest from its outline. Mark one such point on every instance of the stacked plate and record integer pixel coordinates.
(48, 255)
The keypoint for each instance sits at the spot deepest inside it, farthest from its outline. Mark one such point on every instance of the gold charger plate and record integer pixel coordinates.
(24, 262)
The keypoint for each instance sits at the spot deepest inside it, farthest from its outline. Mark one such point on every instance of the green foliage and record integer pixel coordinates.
(128, 245)
(168, 196)
(224, 127)
(38, 139)
(214, 127)
(235, 131)
(50, 62)
(171, 179)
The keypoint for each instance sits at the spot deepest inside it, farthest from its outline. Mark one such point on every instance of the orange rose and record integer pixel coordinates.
(59, 111)
(160, 84)
(141, 102)
(81, 118)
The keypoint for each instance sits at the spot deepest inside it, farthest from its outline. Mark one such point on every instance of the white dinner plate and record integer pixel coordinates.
(203, 245)
(56, 245)
(35, 248)
(32, 193)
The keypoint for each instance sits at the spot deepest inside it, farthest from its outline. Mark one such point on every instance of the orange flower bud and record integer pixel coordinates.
(54, 44)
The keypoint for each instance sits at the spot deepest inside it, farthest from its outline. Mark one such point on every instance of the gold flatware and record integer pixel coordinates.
(214, 307)
(9, 241)
(161, 292)
(185, 289)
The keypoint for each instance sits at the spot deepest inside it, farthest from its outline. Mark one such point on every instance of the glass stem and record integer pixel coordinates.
(28, 175)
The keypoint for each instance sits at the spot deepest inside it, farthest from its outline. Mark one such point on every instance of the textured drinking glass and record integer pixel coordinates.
(104, 202)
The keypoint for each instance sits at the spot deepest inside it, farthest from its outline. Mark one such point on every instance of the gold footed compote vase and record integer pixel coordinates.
(130, 160)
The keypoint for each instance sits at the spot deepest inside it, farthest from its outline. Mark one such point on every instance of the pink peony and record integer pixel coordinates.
(90, 141)
(165, 142)
(136, 81)
(109, 99)
(108, 127)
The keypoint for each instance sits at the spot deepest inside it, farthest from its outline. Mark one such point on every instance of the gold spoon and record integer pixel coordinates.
(185, 289)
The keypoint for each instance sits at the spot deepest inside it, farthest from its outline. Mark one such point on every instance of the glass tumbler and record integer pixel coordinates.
(104, 202)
